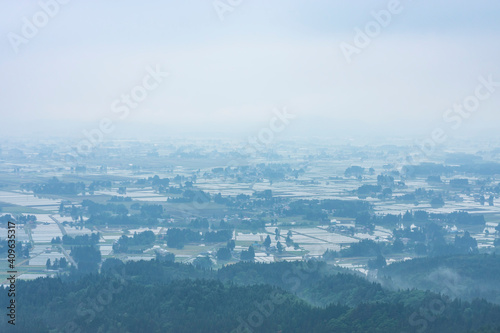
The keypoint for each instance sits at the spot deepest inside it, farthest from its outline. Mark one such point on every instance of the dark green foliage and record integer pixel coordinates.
(377, 263)
(247, 255)
(55, 186)
(152, 211)
(354, 170)
(223, 253)
(156, 297)
(87, 258)
(340, 208)
(466, 244)
(217, 236)
(231, 244)
(142, 240)
(93, 239)
(267, 241)
(437, 202)
(464, 276)
(203, 263)
(199, 223)
(177, 238)
(365, 248)
(366, 190)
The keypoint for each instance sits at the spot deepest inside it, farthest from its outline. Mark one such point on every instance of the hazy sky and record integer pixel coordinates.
(226, 76)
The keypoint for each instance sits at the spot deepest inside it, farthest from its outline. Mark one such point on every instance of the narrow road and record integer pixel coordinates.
(63, 231)
(68, 257)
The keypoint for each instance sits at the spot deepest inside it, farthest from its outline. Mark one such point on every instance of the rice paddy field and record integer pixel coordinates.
(125, 164)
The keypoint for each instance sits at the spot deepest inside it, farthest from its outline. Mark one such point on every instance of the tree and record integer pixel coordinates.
(466, 244)
(437, 202)
(87, 257)
(165, 257)
(377, 263)
(398, 246)
(223, 253)
(247, 255)
(63, 263)
(277, 233)
(279, 247)
(203, 263)
(56, 240)
(251, 251)
(47, 264)
(267, 241)
(231, 245)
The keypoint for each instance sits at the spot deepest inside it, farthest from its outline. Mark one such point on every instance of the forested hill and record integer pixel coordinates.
(158, 297)
(463, 276)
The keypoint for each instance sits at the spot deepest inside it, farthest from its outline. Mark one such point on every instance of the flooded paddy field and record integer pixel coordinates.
(323, 177)
(28, 200)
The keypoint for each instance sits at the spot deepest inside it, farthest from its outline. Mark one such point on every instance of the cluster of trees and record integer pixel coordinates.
(199, 223)
(164, 256)
(364, 248)
(22, 249)
(248, 255)
(94, 208)
(93, 239)
(58, 264)
(217, 236)
(116, 198)
(385, 180)
(142, 239)
(55, 186)
(434, 169)
(224, 253)
(88, 258)
(421, 217)
(426, 240)
(177, 238)
(5, 219)
(99, 184)
(118, 214)
(354, 171)
(466, 276)
(152, 211)
(190, 195)
(259, 297)
(319, 209)
(26, 218)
